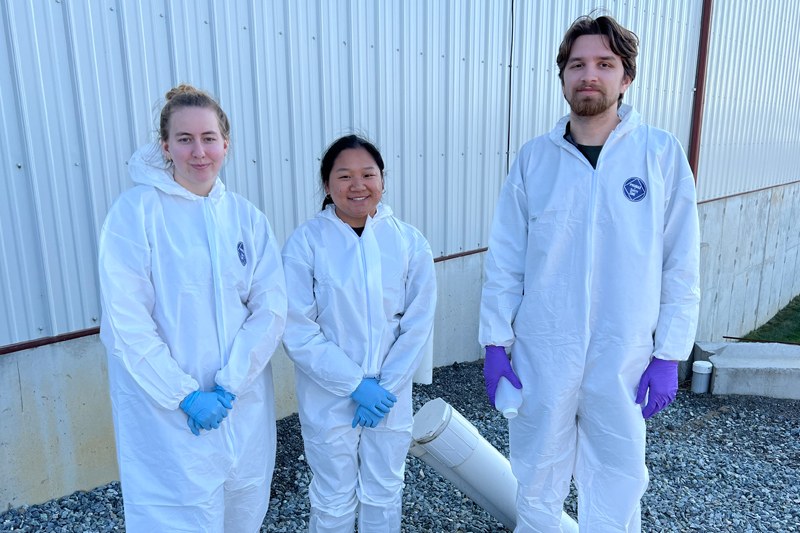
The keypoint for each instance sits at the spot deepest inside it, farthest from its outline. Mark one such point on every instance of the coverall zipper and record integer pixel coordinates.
(212, 245)
(369, 312)
(222, 337)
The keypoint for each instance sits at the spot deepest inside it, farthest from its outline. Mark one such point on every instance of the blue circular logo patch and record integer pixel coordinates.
(240, 249)
(634, 189)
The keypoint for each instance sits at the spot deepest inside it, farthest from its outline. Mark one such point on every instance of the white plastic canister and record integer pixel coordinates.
(508, 398)
(701, 376)
(448, 443)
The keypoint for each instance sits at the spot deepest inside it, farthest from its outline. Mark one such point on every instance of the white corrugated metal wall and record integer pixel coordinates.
(751, 124)
(427, 80)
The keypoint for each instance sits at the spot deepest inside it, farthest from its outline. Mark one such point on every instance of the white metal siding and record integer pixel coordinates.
(751, 123)
(426, 80)
(663, 91)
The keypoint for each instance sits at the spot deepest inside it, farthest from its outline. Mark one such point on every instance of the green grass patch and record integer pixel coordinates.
(784, 327)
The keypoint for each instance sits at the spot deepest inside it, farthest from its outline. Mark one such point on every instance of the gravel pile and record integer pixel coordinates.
(717, 463)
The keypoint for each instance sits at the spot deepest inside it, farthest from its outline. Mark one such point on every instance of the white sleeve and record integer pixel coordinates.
(505, 262)
(260, 334)
(305, 343)
(128, 299)
(416, 324)
(680, 278)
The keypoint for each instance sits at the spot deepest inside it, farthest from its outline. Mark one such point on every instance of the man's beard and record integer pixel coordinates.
(590, 106)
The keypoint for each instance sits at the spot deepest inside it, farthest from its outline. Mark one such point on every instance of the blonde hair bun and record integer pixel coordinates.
(183, 88)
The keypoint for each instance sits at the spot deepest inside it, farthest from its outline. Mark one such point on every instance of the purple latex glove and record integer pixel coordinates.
(496, 366)
(661, 377)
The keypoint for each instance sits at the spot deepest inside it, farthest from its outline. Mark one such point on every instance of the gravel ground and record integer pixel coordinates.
(717, 463)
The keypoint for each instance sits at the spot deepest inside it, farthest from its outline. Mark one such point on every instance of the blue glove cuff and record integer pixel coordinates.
(189, 400)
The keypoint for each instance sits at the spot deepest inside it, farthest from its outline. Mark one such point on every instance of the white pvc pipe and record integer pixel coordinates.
(448, 443)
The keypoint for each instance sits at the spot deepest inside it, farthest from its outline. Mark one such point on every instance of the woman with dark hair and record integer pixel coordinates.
(194, 305)
(362, 295)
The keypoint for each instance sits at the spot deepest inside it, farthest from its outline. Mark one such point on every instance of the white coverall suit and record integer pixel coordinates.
(358, 307)
(193, 296)
(589, 273)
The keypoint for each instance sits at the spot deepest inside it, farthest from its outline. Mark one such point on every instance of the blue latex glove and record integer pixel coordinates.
(206, 409)
(365, 418)
(226, 396)
(661, 378)
(373, 397)
(193, 426)
(496, 366)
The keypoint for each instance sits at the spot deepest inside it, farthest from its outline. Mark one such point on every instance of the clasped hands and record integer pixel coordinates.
(374, 402)
(207, 409)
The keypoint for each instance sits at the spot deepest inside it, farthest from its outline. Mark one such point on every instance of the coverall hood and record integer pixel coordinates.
(146, 167)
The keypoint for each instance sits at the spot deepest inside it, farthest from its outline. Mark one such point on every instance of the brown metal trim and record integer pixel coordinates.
(461, 254)
(747, 192)
(700, 91)
(759, 340)
(27, 345)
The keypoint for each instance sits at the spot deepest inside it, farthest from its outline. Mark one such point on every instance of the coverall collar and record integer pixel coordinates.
(146, 168)
(329, 213)
(628, 115)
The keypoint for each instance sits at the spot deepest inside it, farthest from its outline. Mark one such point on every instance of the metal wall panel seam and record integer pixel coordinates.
(513, 62)
(749, 46)
(463, 198)
(71, 227)
(399, 147)
(762, 134)
(435, 77)
(257, 30)
(9, 321)
(173, 46)
(292, 104)
(215, 62)
(5, 152)
(86, 172)
(187, 71)
(106, 143)
(50, 148)
(474, 212)
(431, 226)
(449, 141)
(741, 102)
(227, 101)
(766, 133)
(5, 288)
(385, 49)
(27, 147)
(50, 191)
(103, 162)
(127, 72)
(349, 58)
(380, 89)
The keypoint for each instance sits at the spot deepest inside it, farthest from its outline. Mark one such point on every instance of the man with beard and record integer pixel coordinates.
(592, 285)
